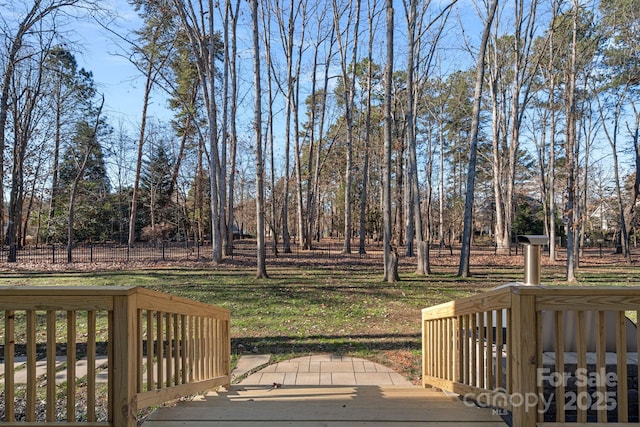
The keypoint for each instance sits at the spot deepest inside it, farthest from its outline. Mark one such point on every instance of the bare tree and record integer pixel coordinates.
(287, 27)
(149, 56)
(570, 148)
(390, 253)
(261, 256)
(342, 37)
(34, 13)
(634, 132)
(550, 72)
(231, 53)
(317, 101)
(412, 170)
(269, 134)
(465, 252)
(372, 14)
(415, 29)
(512, 71)
(612, 137)
(87, 143)
(26, 110)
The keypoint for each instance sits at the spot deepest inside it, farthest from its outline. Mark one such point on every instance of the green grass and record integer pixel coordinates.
(343, 309)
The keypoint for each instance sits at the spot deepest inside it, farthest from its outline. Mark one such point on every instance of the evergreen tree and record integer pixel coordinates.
(92, 211)
(155, 186)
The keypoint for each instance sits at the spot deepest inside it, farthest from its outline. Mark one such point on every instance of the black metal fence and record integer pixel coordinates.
(109, 253)
(169, 252)
(195, 251)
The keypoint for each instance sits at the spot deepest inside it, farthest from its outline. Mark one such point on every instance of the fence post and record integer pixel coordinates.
(124, 352)
(524, 358)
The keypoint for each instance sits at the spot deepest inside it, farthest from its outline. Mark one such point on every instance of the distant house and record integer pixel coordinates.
(600, 216)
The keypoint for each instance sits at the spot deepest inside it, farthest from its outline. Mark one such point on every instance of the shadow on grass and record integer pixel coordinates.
(326, 343)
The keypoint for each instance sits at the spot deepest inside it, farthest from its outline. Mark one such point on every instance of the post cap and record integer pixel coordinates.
(535, 240)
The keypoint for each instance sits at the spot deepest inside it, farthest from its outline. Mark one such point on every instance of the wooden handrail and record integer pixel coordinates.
(181, 346)
(520, 348)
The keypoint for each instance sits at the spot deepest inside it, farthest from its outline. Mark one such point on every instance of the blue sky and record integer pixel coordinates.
(100, 52)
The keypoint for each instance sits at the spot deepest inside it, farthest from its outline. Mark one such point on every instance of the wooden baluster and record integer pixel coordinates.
(490, 384)
(540, 365)
(31, 365)
(559, 347)
(150, 350)
(482, 347)
(465, 345)
(169, 352)
(140, 353)
(499, 348)
(184, 353)
(176, 351)
(473, 346)
(71, 365)
(9, 359)
(621, 352)
(160, 349)
(581, 343)
(509, 352)
(601, 366)
(91, 366)
(192, 350)
(51, 365)
(460, 351)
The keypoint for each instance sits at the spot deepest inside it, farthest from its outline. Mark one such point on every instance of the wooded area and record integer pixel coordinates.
(407, 122)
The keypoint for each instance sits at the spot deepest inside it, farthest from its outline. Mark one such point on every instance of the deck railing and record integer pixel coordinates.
(550, 355)
(158, 348)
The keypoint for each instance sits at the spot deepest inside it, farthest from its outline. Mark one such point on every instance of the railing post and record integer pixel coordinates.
(123, 399)
(523, 359)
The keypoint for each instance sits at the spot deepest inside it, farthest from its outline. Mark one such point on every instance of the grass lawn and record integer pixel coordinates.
(339, 305)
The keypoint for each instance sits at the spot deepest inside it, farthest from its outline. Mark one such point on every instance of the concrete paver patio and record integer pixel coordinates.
(327, 369)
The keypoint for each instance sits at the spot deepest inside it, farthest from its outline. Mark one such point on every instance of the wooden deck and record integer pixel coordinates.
(334, 406)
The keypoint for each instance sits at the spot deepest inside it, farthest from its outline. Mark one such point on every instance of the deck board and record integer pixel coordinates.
(333, 406)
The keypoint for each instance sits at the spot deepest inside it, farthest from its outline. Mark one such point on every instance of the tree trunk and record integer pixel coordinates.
(141, 136)
(367, 140)
(261, 270)
(635, 189)
(33, 16)
(303, 238)
(76, 182)
(349, 94)
(570, 143)
(422, 267)
(269, 137)
(390, 254)
(287, 33)
(552, 171)
(465, 251)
